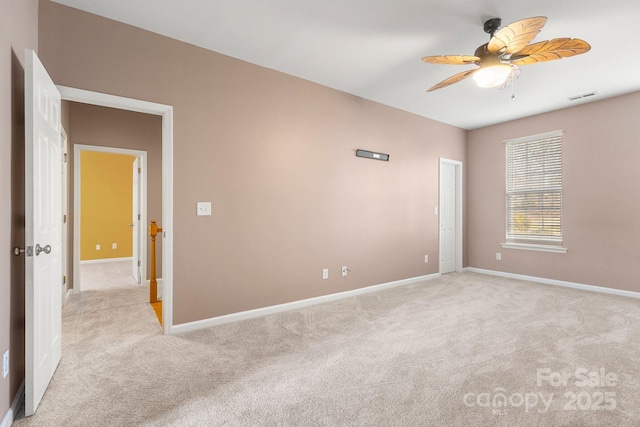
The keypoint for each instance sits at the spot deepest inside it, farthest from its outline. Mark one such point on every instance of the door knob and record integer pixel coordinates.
(46, 249)
(130, 225)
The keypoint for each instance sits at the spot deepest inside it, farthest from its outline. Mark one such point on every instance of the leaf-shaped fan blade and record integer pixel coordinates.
(516, 36)
(550, 50)
(453, 79)
(451, 59)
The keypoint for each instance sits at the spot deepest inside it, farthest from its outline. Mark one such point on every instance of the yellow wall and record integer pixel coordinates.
(105, 205)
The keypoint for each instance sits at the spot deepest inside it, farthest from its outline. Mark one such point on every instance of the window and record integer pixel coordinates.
(534, 192)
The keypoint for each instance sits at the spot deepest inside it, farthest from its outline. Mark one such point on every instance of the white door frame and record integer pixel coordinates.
(138, 218)
(65, 212)
(166, 111)
(458, 199)
(77, 216)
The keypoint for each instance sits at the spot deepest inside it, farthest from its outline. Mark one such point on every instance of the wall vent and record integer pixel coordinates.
(586, 95)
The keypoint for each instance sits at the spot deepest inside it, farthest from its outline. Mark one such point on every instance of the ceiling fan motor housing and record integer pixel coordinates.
(486, 57)
(492, 25)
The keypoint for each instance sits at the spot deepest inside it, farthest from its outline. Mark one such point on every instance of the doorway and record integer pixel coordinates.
(450, 209)
(166, 112)
(110, 207)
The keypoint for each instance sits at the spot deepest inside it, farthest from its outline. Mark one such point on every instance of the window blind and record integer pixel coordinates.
(534, 189)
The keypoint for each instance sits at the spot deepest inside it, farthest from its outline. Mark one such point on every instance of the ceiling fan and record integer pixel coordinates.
(507, 49)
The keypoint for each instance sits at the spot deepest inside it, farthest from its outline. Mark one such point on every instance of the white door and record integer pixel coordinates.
(43, 230)
(136, 223)
(447, 218)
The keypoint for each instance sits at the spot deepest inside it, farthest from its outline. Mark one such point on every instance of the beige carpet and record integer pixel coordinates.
(106, 275)
(430, 354)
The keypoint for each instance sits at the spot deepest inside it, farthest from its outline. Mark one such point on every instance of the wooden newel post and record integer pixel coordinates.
(153, 283)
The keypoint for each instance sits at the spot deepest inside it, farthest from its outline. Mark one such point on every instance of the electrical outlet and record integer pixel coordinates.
(498, 256)
(325, 273)
(344, 271)
(426, 259)
(5, 364)
(97, 247)
(203, 208)
(114, 246)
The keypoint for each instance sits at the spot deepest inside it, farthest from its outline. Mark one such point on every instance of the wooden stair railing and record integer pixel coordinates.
(153, 283)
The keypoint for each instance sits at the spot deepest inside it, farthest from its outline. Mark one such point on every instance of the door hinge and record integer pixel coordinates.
(139, 217)
(64, 218)
(138, 263)
(139, 170)
(64, 158)
(64, 280)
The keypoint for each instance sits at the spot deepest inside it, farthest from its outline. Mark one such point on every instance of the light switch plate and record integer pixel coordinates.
(203, 208)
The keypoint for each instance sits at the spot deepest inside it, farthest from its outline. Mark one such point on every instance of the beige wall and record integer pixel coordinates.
(601, 151)
(18, 30)
(108, 127)
(276, 157)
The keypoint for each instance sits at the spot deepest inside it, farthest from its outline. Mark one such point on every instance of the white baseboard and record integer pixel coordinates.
(68, 295)
(100, 261)
(259, 312)
(9, 418)
(554, 282)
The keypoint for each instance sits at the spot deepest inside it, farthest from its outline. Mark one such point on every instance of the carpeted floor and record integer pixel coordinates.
(106, 275)
(438, 353)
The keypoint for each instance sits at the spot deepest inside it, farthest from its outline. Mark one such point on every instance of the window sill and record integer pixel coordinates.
(535, 247)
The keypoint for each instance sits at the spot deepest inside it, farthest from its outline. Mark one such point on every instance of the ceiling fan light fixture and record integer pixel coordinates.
(508, 49)
(492, 76)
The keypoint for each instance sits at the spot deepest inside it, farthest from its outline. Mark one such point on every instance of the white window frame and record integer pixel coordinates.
(535, 243)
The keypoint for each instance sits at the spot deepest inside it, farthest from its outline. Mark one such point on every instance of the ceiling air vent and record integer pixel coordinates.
(586, 95)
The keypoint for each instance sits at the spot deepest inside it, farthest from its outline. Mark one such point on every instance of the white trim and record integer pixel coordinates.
(535, 247)
(111, 101)
(9, 417)
(166, 111)
(459, 210)
(590, 288)
(259, 312)
(167, 220)
(77, 219)
(103, 260)
(65, 211)
(68, 295)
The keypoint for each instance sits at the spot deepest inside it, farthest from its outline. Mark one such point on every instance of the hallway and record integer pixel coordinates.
(114, 275)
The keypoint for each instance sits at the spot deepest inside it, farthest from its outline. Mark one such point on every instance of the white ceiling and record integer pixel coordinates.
(373, 48)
